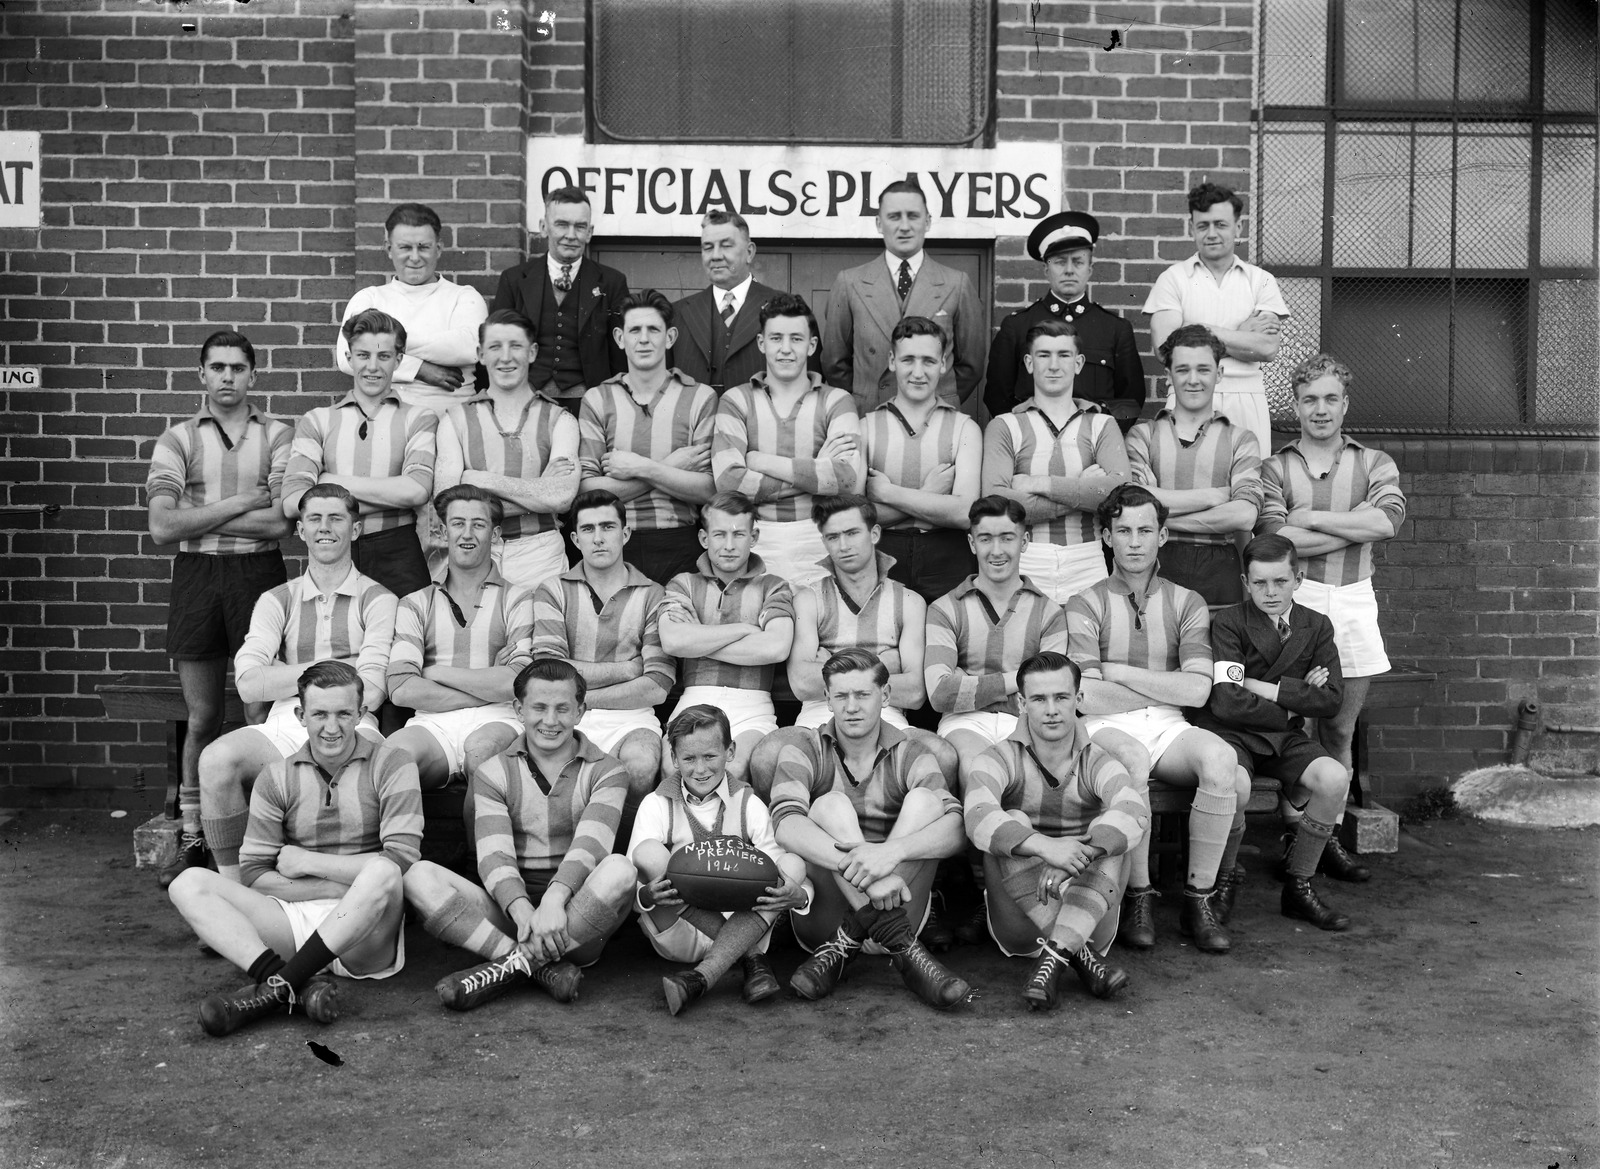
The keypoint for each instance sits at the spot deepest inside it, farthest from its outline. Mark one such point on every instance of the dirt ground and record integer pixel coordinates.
(1454, 1025)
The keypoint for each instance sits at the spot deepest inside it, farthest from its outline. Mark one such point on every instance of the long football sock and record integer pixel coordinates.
(707, 921)
(307, 961)
(1085, 900)
(890, 928)
(588, 918)
(224, 835)
(739, 933)
(460, 924)
(1309, 840)
(1210, 821)
(1230, 851)
(267, 964)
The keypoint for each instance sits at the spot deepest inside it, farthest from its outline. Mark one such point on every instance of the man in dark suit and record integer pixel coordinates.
(866, 303)
(718, 326)
(571, 300)
(1112, 374)
(1275, 665)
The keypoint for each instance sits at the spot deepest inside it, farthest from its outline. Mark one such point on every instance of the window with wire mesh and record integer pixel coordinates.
(1427, 199)
(835, 71)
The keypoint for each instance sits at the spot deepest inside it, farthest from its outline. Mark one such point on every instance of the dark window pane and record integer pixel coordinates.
(1410, 370)
(1403, 53)
(897, 71)
(1569, 55)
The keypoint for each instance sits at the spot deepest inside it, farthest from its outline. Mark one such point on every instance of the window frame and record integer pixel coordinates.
(1336, 112)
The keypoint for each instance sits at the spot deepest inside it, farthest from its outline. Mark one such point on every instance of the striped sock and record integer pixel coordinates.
(1085, 900)
(707, 921)
(224, 834)
(1210, 821)
(1309, 840)
(460, 924)
(589, 918)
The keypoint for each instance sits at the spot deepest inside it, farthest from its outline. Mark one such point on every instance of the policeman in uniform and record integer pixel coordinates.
(1112, 373)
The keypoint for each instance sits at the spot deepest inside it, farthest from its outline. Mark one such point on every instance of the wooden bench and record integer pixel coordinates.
(1399, 689)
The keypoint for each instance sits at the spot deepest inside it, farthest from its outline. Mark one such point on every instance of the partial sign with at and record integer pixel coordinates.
(19, 178)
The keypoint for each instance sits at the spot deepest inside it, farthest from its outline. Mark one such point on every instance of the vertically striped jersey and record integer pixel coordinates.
(1168, 628)
(371, 805)
(340, 439)
(747, 421)
(1220, 455)
(520, 452)
(905, 456)
(429, 629)
(555, 828)
(1359, 474)
(1027, 442)
(296, 625)
(755, 598)
(810, 766)
(972, 649)
(570, 621)
(196, 463)
(875, 624)
(681, 415)
(1092, 799)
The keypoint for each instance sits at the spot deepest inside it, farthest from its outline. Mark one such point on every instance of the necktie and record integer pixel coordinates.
(1283, 629)
(904, 287)
(564, 284)
(727, 308)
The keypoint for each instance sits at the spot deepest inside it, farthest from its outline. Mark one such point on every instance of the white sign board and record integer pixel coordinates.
(796, 192)
(19, 178)
(19, 377)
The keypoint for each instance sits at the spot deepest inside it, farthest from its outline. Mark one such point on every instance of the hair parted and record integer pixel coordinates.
(1191, 337)
(994, 507)
(567, 195)
(698, 718)
(909, 327)
(788, 304)
(825, 507)
(728, 503)
(904, 187)
(327, 676)
(548, 669)
(646, 298)
(848, 661)
(229, 339)
(717, 216)
(374, 321)
(1049, 328)
(331, 491)
(1122, 497)
(1271, 549)
(597, 497)
(1047, 661)
(467, 492)
(413, 215)
(508, 316)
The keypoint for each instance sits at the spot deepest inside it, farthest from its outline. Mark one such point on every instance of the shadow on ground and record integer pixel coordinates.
(1455, 1025)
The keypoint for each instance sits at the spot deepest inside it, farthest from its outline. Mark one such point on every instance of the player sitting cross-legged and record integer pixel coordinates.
(544, 818)
(1055, 816)
(870, 811)
(331, 829)
(699, 802)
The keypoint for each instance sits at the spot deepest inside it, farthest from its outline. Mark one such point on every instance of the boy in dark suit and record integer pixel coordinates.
(1275, 666)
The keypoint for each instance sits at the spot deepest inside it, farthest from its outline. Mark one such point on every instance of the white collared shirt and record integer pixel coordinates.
(894, 264)
(555, 267)
(740, 292)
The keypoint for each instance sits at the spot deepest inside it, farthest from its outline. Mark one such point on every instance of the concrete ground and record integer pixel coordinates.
(1454, 1025)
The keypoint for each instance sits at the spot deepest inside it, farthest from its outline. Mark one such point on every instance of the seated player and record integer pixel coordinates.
(924, 459)
(378, 449)
(215, 489)
(1143, 646)
(543, 818)
(855, 605)
(729, 622)
(332, 613)
(698, 802)
(645, 436)
(332, 830)
(1055, 816)
(1205, 469)
(601, 616)
(458, 645)
(980, 633)
(1277, 665)
(517, 445)
(871, 813)
(1058, 456)
(783, 437)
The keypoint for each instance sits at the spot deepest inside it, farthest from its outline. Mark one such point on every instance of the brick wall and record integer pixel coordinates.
(1137, 126)
(1492, 583)
(237, 173)
(194, 179)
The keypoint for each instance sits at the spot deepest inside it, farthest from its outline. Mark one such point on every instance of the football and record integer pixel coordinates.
(722, 873)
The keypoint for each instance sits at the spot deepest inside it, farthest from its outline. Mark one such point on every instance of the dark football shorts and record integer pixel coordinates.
(1212, 570)
(1299, 753)
(212, 597)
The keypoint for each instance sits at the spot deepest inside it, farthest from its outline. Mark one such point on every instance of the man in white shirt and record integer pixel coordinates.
(718, 326)
(1239, 302)
(440, 316)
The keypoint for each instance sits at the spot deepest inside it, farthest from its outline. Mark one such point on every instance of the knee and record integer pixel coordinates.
(1242, 785)
(381, 880)
(835, 815)
(613, 879)
(762, 764)
(424, 881)
(188, 888)
(1218, 769)
(642, 758)
(921, 805)
(204, 720)
(219, 764)
(1326, 777)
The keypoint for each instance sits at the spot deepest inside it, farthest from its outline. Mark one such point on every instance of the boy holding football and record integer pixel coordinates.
(699, 803)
